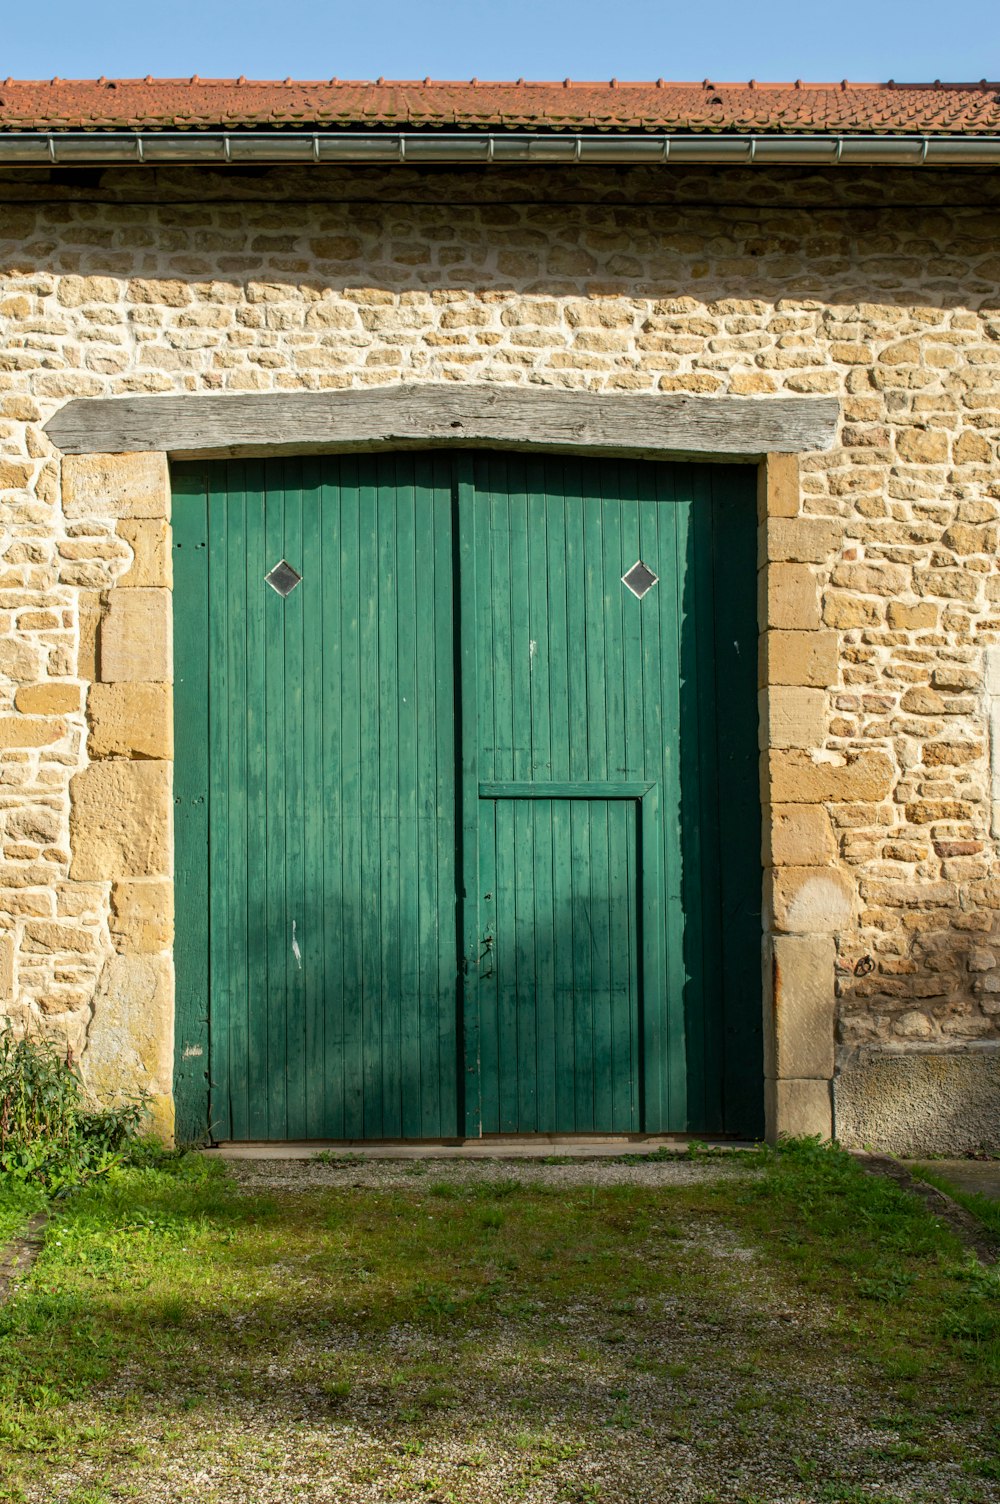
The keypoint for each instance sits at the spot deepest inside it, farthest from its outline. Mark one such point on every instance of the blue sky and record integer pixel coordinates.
(585, 39)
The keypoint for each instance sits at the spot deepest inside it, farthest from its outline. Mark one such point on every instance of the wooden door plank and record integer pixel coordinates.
(468, 758)
(230, 802)
(191, 807)
(257, 565)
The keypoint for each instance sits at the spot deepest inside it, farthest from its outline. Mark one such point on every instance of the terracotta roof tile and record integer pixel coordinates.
(204, 104)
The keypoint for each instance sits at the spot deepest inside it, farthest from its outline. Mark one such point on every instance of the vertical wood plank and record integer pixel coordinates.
(468, 744)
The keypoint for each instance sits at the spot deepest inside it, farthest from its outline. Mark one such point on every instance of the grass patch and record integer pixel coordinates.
(478, 1340)
(987, 1210)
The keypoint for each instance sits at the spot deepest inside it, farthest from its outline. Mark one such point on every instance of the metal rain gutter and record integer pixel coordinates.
(376, 148)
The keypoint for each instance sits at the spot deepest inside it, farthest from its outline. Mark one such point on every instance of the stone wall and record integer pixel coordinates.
(880, 590)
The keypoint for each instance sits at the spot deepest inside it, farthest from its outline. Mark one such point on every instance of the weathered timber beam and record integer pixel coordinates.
(429, 415)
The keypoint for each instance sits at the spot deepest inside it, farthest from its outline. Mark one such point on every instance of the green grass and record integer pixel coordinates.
(980, 1206)
(480, 1341)
(17, 1204)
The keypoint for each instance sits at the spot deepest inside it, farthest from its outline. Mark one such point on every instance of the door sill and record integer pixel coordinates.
(498, 1146)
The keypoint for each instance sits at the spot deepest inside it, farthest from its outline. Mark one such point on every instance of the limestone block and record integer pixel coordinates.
(798, 540)
(48, 698)
(130, 720)
(798, 777)
(149, 539)
(136, 640)
(30, 731)
(116, 485)
(778, 486)
(792, 716)
(120, 821)
(130, 1044)
(798, 835)
(142, 916)
(800, 658)
(789, 597)
(6, 968)
(800, 1039)
(810, 900)
(798, 1109)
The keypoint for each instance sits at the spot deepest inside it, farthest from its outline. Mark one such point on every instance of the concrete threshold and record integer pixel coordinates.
(537, 1147)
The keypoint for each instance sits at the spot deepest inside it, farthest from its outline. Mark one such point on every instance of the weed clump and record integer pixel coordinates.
(51, 1134)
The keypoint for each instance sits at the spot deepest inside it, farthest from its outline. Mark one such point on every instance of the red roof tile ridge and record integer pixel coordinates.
(755, 85)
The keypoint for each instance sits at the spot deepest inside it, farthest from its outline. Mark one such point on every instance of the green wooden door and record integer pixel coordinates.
(467, 832)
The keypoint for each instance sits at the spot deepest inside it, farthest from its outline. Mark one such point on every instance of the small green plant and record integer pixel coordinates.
(50, 1134)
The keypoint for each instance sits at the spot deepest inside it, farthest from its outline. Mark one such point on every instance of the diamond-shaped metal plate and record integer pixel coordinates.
(283, 578)
(639, 579)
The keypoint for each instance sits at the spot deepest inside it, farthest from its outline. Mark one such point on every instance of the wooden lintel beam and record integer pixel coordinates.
(426, 415)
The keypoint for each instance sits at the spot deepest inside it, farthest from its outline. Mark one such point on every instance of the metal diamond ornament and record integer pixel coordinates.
(283, 578)
(639, 579)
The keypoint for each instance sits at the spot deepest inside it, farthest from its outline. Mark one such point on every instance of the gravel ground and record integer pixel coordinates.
(733, 1393)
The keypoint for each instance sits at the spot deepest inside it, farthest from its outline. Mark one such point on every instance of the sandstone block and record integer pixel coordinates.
(923, 446)
(870, 578)
(48, 698)
(130, 720)
(74, 291)
(918, 618)
(142, 916)
(971, 449)
(811, 900)
(136, 640)
(790, 598)
(799, 540)
(130, 1043)
(798, 835)
(55, 937)
(20, 661)
(778, 485)
(29, 731)
(6, 968)
(801, 777)
(36, 824)
(845, 611)
(919, 701)
(149, 539)
(120, 821)
(800, 1040)
(91, 612)
(809, 659)
(798, 1108)
(951, 754)
(791, 716)
(116, 485)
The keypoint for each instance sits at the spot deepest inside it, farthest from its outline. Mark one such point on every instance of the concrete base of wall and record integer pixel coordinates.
(926, 1103)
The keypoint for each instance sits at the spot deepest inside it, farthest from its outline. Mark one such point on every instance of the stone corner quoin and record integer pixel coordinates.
(877, 573)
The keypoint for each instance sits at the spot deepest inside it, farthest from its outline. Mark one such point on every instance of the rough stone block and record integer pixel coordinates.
(116, 485)
(797, 777)
(800, 1041)
(789, 597)
(149, 540)
(130, 720)
(800, 658)
(136, 642)
(142, 916)
(130, 1043)
(91, 611)
(798, 835)
(798, 1109)
(120, 821)
(792, 716)
(48, 698)
(778, 486)
(810, 900)
(29, 731)
(58, 937)
(921, 617)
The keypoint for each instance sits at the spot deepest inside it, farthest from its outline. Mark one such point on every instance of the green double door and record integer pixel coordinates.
(467, 830)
